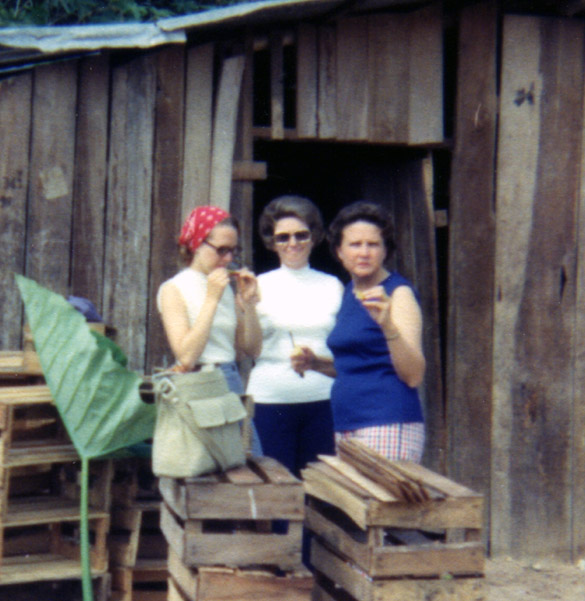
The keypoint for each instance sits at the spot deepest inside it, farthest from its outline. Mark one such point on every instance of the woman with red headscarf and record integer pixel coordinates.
(205, 322)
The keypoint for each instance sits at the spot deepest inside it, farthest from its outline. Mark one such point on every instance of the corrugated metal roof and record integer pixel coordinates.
(20, 44)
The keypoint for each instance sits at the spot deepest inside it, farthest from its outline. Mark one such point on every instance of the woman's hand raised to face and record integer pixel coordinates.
(217, 280)
(247, 287)
(379, 305)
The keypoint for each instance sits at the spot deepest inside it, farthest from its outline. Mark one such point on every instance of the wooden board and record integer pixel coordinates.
(535, 286)
(198, 123)
(15, 97)
(425, 558)
(472, 253)
(366, 511)
(363, 588)
(307, 63)
(267, 492)
(87, 269)
(327, 82)
(166, 194)
(51, 175)
(224, 135)
(224, 584)
(352, 90)
(128, 219)
(198, 545)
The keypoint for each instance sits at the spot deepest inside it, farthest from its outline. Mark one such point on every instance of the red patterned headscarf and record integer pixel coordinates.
(198, 225)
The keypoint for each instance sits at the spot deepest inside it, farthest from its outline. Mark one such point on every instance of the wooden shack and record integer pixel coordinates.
(465, 118)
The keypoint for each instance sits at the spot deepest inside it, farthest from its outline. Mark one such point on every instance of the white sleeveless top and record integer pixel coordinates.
(192, 285)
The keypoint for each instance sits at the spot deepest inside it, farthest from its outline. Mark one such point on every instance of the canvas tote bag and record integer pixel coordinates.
(197, 427)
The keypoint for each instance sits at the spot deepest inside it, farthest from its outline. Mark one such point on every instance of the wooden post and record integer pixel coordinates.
(471, 252)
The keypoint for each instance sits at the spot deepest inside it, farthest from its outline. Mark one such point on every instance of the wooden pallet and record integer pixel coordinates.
(227, 584)
(248, 516)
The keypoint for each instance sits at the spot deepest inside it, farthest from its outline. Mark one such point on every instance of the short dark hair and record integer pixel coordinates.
(290, 206)
(186, 256)
(362, 210)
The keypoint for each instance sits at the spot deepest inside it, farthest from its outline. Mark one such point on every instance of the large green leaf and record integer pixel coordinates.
(96, 396)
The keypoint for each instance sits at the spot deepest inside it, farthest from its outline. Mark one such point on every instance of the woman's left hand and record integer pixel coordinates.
(247, 287)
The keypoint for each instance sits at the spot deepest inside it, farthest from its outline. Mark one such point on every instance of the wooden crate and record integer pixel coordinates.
(373, 542)
(247, 516)
(227, 584)
(134, 483)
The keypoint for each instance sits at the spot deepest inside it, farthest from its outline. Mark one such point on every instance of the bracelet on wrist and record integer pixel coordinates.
(393, 336)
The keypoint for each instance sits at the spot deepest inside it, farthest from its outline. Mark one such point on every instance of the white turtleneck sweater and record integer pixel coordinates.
(302, 302)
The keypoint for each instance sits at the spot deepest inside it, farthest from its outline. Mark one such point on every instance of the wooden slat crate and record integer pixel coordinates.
(134, 483)
(400, 532)
(247, 516)
(227, 584)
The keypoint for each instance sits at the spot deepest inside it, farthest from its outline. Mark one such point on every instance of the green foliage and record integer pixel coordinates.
(83, 12)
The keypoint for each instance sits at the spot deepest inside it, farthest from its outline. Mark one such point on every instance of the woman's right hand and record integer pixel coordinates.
(302, 359)
(217, 280)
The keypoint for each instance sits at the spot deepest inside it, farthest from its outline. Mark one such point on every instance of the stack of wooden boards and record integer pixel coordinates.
(39, 487)
(391, 531)
(236, 535)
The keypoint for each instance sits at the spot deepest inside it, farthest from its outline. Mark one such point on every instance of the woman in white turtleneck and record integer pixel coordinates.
(297, 307)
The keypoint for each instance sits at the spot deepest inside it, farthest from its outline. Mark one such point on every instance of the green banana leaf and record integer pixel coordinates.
(96, 396)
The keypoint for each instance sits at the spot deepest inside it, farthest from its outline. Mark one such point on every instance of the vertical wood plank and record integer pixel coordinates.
(471, 252)
(389, 77)
(90, 179)
(51, 175)
(327, 82)
(538, 183)
(129, 204)
(224, 135)
(578, 417)
(352, 79)
(15, 117)
(276, 86)
(167, 188)
(198, 123)
(425, 85)
(307, 81)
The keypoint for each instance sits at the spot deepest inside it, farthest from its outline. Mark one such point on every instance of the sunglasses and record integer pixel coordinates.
(222, 251)
(284, 238)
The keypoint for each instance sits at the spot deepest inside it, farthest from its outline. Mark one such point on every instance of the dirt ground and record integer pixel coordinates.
(509, 580)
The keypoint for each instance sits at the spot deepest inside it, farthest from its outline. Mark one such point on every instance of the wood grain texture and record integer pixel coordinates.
(198, 124)
(327, 82)
(48, 257)
(90, 179)
(540, 139)
(352, 91)
(472, 253)
(307, 63)
(224, 135)
(15, 97)
(166, 193)
(130, 178)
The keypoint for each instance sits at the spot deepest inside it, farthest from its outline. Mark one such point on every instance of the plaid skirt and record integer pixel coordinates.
(393, 441)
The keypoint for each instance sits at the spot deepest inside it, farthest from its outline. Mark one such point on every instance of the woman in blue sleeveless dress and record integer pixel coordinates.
(378, 361)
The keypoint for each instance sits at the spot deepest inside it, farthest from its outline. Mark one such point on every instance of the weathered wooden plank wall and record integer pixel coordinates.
(15, 117)
(538, 185)
(471, 252)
